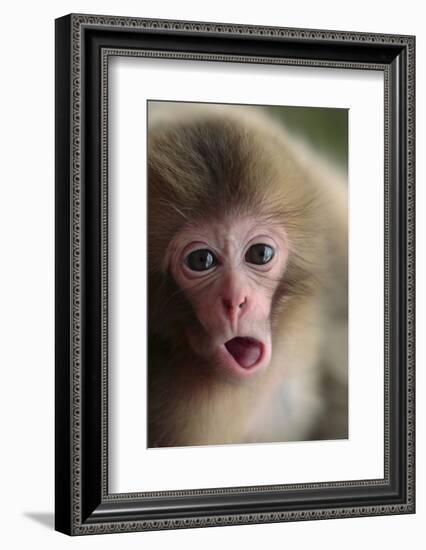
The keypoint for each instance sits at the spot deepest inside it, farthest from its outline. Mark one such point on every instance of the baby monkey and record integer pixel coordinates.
(247, 255)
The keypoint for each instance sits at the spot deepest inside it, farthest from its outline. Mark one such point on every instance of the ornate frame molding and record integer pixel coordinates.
(85, 507)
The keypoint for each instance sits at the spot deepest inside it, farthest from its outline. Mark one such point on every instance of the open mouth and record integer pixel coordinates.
(246, 351)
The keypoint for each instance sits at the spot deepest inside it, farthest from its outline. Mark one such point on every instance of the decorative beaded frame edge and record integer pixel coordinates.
(71, 517)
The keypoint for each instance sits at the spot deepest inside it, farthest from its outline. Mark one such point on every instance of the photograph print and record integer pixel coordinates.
(247, 274)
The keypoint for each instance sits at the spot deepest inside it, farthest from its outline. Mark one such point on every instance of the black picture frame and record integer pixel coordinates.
(83, 45)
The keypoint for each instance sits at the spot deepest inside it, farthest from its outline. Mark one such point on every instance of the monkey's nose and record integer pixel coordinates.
(230, 305)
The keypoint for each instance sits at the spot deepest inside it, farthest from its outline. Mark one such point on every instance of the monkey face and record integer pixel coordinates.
(229, 271)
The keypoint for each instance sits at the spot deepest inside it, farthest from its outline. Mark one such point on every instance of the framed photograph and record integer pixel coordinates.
(234, 274)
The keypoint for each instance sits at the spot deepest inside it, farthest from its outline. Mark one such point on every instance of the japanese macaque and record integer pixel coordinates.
(247, 239)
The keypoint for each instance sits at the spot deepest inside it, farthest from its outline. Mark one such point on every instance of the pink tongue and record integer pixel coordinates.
(245, 351)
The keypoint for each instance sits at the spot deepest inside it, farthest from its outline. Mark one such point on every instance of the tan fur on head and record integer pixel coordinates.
(216, 162)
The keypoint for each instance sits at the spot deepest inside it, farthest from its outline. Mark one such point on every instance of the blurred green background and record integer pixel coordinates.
(325, 129)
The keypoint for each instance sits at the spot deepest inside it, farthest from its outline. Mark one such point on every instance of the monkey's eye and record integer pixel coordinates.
(259, 254)
(201, 260)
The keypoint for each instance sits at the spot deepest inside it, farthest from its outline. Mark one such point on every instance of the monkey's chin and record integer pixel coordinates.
(243, 356)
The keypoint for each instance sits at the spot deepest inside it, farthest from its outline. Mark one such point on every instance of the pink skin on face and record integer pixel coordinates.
(232, 297)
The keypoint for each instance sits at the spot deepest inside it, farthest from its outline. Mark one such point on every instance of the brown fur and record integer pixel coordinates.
(207, 163)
